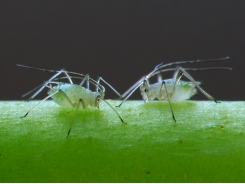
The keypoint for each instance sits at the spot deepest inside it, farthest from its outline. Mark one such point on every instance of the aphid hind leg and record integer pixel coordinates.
(188, 76)
(46, 82)
(39, 103)
(56, 91)
(42, 86)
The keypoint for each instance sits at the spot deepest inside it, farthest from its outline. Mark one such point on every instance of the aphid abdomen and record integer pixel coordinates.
(74, 92)
(183, 91)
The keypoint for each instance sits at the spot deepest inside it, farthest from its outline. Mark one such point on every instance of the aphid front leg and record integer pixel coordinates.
(168, 97)
(113, 89)
(188, 76)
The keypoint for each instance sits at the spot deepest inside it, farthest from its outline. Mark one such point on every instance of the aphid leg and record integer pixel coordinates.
(175, 84)
(43, 86)
(54, 92)
(159, 77)
(74, 105)
(45, 83)
(87, 81)
(131, 90)
(39, 103)
(168, 97)
(68, 77)
(34, 89)
(188, 76)
(77, 107)
(113, 89)
(86, 78)
(97, 84)
(115, 112)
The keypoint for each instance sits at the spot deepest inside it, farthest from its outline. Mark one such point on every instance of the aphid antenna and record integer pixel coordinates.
(45, 70)
(42, 86)
(58, 72)
(190, 61)
(138, 83)
(95, 83)
(29, 92)
(192, 69)
(136, 86)
(69, 78)
(52, 71)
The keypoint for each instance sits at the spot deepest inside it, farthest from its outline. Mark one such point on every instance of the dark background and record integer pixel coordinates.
(121, 41)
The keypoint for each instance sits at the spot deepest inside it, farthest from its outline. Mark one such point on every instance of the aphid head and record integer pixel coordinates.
(99, 99)
(144, 90)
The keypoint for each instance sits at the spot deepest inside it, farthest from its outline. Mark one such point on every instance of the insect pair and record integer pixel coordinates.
(75, 95)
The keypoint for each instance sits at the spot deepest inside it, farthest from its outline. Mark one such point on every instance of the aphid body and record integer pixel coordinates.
(183, 90)
(75, 92)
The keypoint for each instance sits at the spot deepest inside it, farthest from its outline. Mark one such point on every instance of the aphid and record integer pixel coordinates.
(173, 89)
(72, 95)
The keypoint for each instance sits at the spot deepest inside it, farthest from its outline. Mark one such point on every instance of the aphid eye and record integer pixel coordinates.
(146, 90)
(98, 99)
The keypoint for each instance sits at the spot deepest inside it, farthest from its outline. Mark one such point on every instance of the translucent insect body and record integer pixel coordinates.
(72, 95)
(173, 89)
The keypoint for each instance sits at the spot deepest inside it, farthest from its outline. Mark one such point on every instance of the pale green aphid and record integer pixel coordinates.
(72, 95)
(172, 89)
(183, 90)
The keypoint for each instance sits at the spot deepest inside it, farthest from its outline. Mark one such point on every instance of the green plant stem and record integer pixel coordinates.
(206, 144)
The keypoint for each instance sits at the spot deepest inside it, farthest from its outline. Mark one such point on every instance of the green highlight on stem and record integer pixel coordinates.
(206, 144)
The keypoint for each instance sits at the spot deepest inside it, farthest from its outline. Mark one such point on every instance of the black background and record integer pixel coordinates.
(121, 41)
